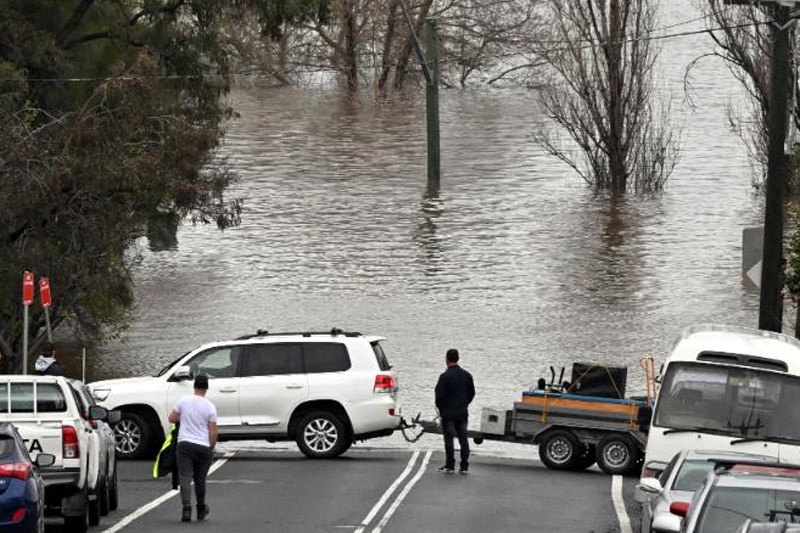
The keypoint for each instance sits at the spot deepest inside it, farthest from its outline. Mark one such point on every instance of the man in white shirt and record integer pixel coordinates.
(197, 437)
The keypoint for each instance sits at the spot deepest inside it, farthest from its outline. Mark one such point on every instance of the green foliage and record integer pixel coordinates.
(112, 112)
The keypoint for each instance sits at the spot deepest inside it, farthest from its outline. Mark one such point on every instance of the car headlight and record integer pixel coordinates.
(101, 394)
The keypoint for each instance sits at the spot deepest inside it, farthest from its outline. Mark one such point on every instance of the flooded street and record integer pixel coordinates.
(514, 261)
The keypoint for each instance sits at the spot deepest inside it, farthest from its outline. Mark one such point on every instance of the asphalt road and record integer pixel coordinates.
(376, 490)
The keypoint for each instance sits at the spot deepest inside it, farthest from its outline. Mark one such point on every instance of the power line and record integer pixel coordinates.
(588, 44)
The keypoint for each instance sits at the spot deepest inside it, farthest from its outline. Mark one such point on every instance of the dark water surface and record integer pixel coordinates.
(514, 262)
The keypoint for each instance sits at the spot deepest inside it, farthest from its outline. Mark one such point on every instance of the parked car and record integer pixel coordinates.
(735, 493)
(21, 485)
(752, 526)
(684, 474)
(108, 491)
(51, 419)
(323, 390)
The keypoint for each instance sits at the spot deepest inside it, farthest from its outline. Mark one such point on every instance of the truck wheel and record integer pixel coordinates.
(133, 435)
(94, 510)
(321, 435)
(113, 493)
(102, 498)
(78, 523)
(586, 459)
(617, 454)
(559, 450)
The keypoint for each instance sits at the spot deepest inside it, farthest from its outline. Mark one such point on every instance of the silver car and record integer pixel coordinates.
(678, 481)
(736, 495)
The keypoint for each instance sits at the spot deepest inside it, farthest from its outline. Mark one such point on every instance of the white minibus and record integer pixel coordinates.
(727, 388)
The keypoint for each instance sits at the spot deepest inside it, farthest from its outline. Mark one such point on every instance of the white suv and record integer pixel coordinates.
(324, 390)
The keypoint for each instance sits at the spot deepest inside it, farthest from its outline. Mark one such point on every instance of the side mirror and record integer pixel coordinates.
(181, 373)
(666, 523)
(44, 460)
(650, 485)
(98, 413)
(114, 416)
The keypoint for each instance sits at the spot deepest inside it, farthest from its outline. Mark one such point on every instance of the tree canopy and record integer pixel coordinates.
(111, 114)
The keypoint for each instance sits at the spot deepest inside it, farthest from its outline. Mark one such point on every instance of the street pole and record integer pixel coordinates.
(25, 338)
(432, 104)
(771, 303)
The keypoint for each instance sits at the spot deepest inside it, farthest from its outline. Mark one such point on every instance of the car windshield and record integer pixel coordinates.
(728, 400)
(692, 474)
(729, 507)
(173, 363)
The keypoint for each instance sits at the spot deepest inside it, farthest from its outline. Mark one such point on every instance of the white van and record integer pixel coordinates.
(727, 388)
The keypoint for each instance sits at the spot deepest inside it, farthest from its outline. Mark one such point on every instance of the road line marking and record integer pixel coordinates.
(404, 493)
(161, 499)
(619, 505)
(388, 493)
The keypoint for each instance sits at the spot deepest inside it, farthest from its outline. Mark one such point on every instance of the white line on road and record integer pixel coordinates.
(388, 493)
(161, 499)
(404, 493)
(619, 505)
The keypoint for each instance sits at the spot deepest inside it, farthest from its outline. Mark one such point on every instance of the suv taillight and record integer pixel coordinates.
(69, 439)
(385, 383)
(18, 470)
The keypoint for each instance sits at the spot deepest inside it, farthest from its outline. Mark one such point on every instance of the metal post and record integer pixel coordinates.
(432, 103)
(25, 339)
(83, 365)
(771, 302)
(47, 318)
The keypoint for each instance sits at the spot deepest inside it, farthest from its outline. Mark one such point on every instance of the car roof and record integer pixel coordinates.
(757, 481)
(6, 428)
(30, 377)
(720, 455)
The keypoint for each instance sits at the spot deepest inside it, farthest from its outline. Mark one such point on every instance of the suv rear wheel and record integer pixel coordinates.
(134, 436)
(321, 435)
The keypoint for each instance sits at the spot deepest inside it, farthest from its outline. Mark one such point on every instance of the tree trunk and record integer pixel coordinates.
(408, 46)
(350, 28)
(386, 65)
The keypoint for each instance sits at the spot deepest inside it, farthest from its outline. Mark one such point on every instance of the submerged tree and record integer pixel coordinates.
(601, 94)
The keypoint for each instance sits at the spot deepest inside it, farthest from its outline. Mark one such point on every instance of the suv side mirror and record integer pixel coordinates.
(181, 373)
(114, 416)
(98, 413)
(44, 460)
(650, 485)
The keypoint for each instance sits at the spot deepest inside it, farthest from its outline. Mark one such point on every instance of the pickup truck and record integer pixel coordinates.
(53, 417)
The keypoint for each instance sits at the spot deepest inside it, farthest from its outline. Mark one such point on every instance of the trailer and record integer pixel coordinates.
(575, 424)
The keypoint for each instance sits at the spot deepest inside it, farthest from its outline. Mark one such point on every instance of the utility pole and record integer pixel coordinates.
(432, 103)
(430, 68)
(770, 315)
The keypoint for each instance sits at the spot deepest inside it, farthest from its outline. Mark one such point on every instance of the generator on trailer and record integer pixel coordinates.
(575, 423)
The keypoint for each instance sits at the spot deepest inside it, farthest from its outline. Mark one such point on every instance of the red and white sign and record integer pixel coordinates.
(44, 292)
(27, 288)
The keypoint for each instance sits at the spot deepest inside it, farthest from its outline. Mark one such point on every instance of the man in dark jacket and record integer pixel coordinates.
(454, 392)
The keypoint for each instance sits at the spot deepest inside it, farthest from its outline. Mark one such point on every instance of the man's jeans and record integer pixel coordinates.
(451, 429)
(194, 461)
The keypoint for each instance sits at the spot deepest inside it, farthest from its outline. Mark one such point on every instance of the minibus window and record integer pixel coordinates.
(728, 400)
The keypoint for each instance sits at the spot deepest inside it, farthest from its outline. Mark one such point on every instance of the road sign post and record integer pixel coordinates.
(27, 300)
(44, 296)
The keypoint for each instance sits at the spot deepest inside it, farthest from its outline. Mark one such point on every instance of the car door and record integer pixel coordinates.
(222, 366)
(273, 383)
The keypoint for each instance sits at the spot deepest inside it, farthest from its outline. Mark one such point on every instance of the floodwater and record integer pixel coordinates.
(514, 261)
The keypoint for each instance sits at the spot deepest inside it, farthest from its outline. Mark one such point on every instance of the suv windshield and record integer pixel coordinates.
(735, 401)
(729, 507)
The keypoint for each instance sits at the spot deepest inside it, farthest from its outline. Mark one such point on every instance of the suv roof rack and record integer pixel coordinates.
(332, 332)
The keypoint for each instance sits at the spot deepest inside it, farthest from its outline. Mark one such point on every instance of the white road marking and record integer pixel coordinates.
(619, 505)
(388, 493)
(161, 499)
(404, 493)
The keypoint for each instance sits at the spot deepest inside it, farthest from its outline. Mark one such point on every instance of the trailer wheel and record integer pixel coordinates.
(560, 450)
(617, 454)
(586, 459)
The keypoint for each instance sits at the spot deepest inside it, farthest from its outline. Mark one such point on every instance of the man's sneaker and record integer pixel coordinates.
(186, 516)
(463, 471)
(202, 511)
(446, 469)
